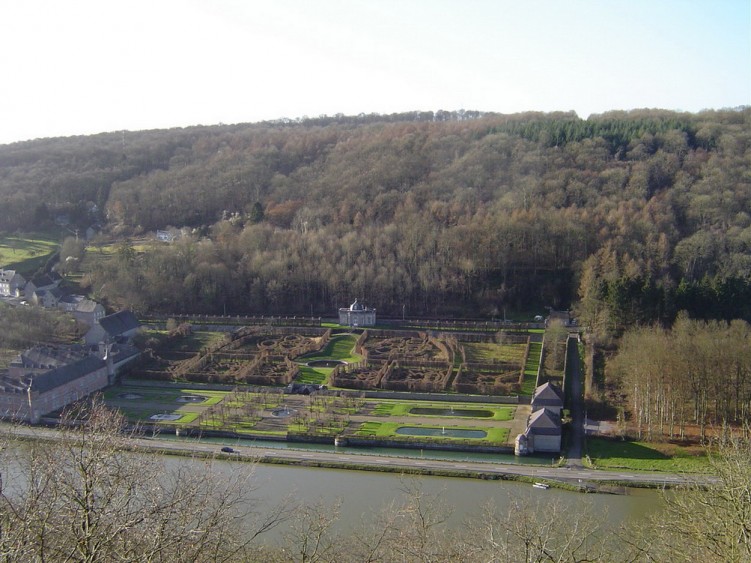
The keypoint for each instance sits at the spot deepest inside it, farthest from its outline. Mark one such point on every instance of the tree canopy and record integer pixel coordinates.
(637, 214)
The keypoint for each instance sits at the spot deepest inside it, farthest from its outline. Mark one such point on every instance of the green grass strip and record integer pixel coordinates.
(643, 456)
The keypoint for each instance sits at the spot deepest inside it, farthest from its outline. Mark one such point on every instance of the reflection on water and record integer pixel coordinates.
(363, 494)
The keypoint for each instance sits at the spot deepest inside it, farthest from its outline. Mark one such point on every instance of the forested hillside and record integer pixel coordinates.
(638, 214)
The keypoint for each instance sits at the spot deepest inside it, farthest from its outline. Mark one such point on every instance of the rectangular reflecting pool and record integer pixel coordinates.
(436, 411)
(438, 432)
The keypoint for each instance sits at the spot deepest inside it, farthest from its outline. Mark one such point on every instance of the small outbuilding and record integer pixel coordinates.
(543, 433)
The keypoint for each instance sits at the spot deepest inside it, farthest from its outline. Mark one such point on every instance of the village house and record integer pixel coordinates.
(166, 236)
(84, 310)
(11, 283)
(357, 314)
(44, 290)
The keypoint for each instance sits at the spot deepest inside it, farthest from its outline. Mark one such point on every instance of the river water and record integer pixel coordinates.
(362, 494)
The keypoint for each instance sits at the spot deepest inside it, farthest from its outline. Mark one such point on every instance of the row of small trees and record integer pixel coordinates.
(697, 373)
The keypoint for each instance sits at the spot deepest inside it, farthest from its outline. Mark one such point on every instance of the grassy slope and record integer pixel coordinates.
(531, 367)
(26, 253)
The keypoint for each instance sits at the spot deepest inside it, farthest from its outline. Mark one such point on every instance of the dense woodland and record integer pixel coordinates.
(634, 216)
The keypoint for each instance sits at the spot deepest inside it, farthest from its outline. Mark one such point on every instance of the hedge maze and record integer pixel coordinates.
(421, 362)
(251, 355)
(412, 361)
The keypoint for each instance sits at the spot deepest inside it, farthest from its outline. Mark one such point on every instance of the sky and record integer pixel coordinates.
(79, 67)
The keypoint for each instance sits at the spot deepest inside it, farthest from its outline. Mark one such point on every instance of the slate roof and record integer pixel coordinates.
(548, 392)
(119, 323)
(7, 275)
(123, 352)
(47, 381)
(46, 280)
(71, 299)
(544, 422)
(41, 357)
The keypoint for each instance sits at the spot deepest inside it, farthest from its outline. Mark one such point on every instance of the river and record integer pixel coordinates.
(361, 494)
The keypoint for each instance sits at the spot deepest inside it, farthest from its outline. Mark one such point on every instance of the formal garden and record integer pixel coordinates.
(319, 383)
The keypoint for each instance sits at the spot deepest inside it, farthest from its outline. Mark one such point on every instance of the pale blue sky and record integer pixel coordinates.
(86, 66)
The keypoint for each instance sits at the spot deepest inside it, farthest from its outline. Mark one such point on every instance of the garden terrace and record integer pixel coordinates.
(263, 411)
(362, 376)
(479, 363)
(239, 321)
(375, 359)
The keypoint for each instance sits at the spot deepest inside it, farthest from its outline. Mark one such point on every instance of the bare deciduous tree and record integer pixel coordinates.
(85, 497)
(709, 523)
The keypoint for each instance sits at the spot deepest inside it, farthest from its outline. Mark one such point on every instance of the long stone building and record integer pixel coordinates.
(45, 379)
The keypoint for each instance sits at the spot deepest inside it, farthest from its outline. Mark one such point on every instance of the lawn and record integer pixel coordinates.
(313, 376)
(488, 352)
(646, 456)
(531, 368)
(161, 400)
(26, 253)
(338, 348)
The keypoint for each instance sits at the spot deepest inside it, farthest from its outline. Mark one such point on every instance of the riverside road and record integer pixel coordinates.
(350, 458)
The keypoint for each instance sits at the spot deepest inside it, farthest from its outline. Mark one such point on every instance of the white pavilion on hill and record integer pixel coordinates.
(357, 314)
